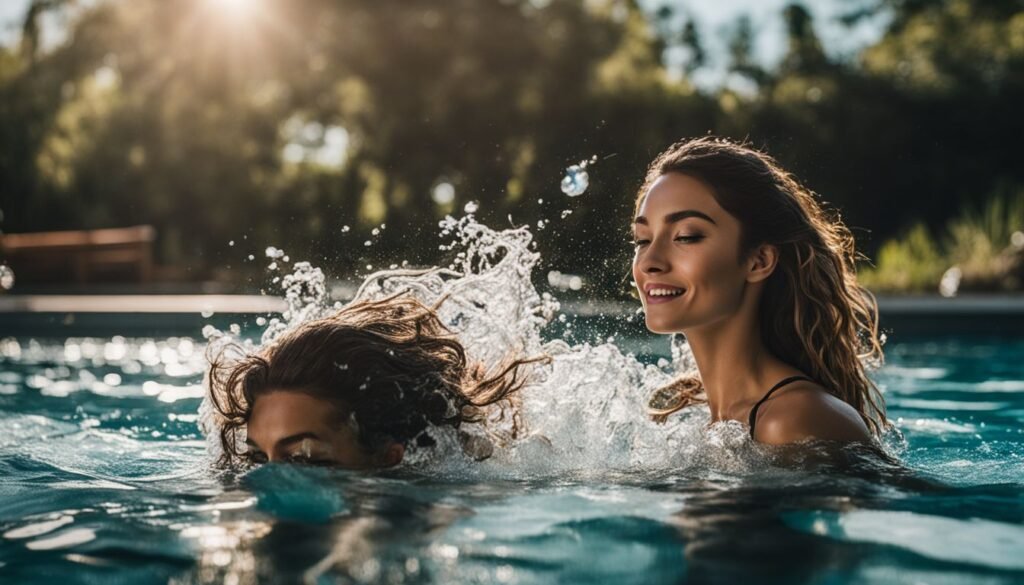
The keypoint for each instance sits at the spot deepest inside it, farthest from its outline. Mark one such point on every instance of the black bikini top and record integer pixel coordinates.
(753, 411)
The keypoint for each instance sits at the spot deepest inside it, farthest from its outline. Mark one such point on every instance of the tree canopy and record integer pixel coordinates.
(286, 121)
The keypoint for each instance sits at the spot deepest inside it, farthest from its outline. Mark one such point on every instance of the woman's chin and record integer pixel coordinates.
(662, 326)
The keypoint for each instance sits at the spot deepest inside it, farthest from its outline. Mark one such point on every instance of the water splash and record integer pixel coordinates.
(576, 179)
(6, 277)
(583, 411)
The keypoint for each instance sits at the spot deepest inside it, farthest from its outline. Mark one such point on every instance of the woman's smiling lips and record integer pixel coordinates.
(656, 292)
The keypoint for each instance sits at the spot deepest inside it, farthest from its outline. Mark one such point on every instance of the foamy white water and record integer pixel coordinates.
(583, 411)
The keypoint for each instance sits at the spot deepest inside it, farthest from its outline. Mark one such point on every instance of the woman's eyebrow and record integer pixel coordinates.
(677, 216)
(286, 441)
(290, 439)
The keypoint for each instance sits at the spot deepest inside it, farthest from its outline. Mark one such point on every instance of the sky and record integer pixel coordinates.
(715, 20)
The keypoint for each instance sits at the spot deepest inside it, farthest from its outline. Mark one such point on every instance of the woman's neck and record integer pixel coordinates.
(735, 366)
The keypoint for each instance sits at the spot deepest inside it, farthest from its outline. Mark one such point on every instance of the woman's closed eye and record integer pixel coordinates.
(683, 238)
(256, 457)
(304, 459)
(689, 238)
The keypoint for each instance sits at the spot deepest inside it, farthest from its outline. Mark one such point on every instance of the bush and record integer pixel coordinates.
(911, 263)
(983, 250)
(982, 244)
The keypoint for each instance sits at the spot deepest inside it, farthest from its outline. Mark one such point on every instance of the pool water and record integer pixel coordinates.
(104, 478)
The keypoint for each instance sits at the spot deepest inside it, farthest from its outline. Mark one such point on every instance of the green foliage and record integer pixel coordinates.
(981, 242)
(984, 244)
(209, 125)
(911, 263)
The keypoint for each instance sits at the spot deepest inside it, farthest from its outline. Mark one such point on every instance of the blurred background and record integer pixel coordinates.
(164, 145)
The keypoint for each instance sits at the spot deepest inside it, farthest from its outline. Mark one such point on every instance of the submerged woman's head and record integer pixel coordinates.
(353, 390)
(721, 229)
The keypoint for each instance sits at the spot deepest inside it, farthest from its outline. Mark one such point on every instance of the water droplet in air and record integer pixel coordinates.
(251, 257)
(375, 231)
(6, 277)
(367, 243)
(273, 252)
(566, 213)
(576, 181)
(471, 207)
(207, 313)
(949, 284)
(231, 243)
(1017, 240)
(261, 321)
(345, 228)
(443, 193)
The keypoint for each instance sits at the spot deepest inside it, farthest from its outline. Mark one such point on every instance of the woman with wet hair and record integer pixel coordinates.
(355, 390)
(733, 253)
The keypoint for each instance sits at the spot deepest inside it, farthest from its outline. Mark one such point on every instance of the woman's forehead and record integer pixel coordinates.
(673, 192)
(282, 411)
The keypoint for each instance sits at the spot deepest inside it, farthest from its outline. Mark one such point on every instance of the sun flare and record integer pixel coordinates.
(235, 10)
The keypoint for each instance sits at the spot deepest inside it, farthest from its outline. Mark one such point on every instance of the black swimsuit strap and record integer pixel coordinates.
(753, 411)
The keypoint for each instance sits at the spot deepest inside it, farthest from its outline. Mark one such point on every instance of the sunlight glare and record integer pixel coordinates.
(235, 9)
(232, 5)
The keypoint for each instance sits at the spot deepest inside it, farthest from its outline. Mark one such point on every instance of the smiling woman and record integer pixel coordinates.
(354, 390)
(735, 254)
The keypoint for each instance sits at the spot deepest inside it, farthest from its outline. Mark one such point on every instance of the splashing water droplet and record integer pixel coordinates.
(367, 243)
(576, 181)
(345, 228)
(471, 207)
(231, 243)
(273, 252)
(1017, 240)
(949, 284)
(6, 277)
(443, 193)
(375, 231)
(207, 313)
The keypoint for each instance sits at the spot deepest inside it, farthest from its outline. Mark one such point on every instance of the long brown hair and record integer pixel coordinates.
(389, 365)
(813, 314)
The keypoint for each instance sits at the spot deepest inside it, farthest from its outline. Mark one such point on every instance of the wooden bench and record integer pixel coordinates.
(87, 256)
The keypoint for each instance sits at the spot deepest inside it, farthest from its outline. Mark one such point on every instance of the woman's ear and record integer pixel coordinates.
(762, 262)
(392, 456)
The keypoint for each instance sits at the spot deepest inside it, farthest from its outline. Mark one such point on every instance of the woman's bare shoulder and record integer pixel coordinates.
(806, 411)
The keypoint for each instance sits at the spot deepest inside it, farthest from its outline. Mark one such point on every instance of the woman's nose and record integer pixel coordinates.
(652, 259)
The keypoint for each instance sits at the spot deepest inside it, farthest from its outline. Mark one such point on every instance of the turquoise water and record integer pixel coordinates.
(104, 479)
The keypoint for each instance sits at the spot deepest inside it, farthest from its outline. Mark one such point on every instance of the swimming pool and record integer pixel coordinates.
(104, 478)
